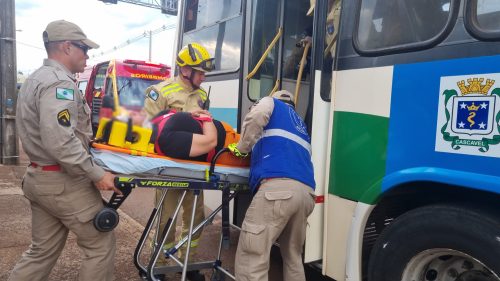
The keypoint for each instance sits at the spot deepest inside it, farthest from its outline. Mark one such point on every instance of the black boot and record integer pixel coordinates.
(195, 275)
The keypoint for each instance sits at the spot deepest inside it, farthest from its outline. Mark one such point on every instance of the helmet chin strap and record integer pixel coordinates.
(190, 79)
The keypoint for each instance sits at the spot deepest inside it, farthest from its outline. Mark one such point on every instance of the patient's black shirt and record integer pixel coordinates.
(176, 137)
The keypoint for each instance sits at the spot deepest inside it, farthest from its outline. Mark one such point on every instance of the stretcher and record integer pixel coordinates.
(166, 174)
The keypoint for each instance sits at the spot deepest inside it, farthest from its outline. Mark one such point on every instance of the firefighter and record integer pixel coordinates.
(184, 94)
(62, 182)
(282, 180)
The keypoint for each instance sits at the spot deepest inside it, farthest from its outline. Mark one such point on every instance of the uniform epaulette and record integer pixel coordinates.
(56, 78)
(62, 75)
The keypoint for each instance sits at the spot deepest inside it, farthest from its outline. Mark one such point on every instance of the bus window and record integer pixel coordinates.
(217, 29)
(329, 17)
(483, 18)
(298, 27)
(264, 27)
(200, 14)
(386, 24)
(222, 40)
(488, 15)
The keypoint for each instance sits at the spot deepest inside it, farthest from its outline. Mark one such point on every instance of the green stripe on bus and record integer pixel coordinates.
(359, 147)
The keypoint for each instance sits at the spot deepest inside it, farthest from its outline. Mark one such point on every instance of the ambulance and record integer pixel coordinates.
(130, 77)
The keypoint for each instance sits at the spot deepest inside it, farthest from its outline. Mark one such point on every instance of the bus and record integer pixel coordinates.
(402, 101)
(130, 77)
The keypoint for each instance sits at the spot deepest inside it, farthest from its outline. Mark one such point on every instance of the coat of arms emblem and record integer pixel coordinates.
(471, 113)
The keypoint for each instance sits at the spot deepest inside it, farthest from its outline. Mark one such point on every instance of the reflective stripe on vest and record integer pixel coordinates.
(203, 94)
(290, 136)
(165, 91)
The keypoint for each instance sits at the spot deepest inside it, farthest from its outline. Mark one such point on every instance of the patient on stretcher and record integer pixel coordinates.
(188, 136)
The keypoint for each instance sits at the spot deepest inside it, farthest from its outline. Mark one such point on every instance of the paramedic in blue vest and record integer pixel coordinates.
(282, 180)
(184, 94)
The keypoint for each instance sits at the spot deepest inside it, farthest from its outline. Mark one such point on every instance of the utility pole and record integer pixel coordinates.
(150, 44)
(9, 152)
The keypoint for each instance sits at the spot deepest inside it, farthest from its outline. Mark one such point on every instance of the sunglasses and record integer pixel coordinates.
(84, 48)
(207, 65)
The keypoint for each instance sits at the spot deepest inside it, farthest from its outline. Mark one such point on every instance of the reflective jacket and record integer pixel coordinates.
(284, 150)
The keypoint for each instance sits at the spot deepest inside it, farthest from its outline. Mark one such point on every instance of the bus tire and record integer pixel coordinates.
(438, 242)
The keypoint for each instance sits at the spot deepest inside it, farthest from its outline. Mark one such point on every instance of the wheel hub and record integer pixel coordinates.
(446, 265)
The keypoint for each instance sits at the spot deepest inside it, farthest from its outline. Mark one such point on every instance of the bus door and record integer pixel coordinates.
(275, 44)
(277, 58)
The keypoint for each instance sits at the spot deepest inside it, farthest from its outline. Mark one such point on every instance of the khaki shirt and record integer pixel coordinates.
(254, 123)
(173, 94)
(53, 121)
(332, 28)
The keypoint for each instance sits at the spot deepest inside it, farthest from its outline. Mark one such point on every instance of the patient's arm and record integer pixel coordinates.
(204, 143)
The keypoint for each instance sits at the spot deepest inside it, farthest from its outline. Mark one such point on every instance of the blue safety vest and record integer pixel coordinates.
(284, 150)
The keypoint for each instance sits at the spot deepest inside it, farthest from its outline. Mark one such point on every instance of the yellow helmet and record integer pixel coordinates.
(196, 56)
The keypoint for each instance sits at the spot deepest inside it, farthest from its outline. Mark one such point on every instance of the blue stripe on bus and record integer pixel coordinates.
(412, 128)
(228, 115)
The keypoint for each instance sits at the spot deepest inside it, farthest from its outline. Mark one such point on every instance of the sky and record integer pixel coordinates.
(109, 25)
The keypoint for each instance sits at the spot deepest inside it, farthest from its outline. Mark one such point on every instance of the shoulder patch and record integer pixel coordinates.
(153, 95)
(63, 118)
(65, 94)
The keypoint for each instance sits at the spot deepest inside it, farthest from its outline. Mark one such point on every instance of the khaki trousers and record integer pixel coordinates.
(278, 212)
(168, 208)
(59, 204)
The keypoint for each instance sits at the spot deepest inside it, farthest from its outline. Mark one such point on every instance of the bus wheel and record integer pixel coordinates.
(438, 243)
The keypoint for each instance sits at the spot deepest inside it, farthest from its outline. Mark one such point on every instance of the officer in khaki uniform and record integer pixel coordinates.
(332, 24)
(282, 180)
(182, 93)
(62, 181)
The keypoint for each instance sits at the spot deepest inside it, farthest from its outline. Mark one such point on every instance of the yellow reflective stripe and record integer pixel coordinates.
(203, 94)
(175, 90)
(170, 88)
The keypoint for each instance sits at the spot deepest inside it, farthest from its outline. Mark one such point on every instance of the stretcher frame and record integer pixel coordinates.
(213, 182)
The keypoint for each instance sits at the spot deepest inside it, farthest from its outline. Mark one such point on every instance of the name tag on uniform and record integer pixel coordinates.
(65, 94)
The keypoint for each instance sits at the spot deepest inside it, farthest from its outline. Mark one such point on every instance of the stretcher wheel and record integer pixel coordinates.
(106, 219)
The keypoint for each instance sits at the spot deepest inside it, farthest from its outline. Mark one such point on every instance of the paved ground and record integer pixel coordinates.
(15, 229)
(15, 234)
